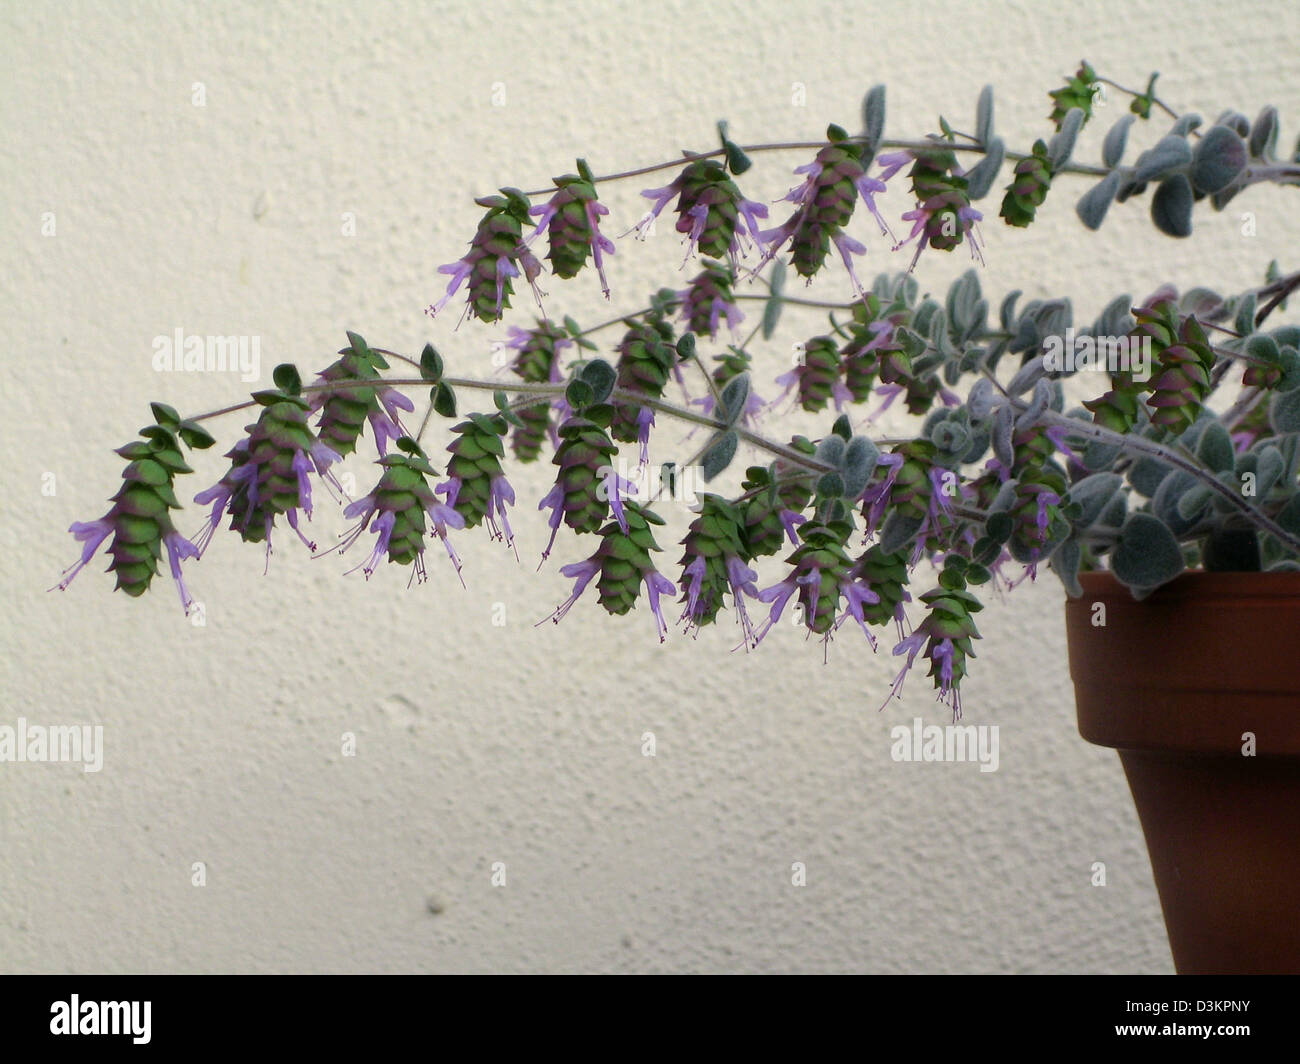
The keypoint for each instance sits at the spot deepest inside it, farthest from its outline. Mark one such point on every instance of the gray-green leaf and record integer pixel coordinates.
(1147, 554)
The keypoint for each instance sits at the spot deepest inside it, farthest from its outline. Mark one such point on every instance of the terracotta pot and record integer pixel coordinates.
(1173, 683)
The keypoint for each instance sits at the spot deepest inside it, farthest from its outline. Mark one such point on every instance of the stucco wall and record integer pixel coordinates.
(478, 742)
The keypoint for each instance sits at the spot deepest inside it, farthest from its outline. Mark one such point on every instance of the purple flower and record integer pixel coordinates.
(92, 534)
(940, 653)
(657, 584)
(877, 496)
(552, 217)
(717, 220)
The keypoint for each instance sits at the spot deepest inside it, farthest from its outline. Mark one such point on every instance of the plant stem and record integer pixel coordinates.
(1154, 99)
(541, 389)
(1148, 448)
(817, 145)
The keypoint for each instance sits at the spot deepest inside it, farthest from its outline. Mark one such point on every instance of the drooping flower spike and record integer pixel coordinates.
(621, 566)
(816, 380)
(271, 469)
(714, 566)
(717, 219)
(537, 360)
(395, 511)
(824, 203)
(709, 300)
(774, 504)
(138, 524)
(943, 215)
(821, 573)
(496, 256)
(580, 498)
(944, 638)
(571, 219)
(646, 360)
(476, 485)
(345, 409)
(887, 576)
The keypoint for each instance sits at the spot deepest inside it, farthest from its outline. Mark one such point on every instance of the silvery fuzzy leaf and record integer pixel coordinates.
(873, 116)
(1007, 312)
(1236, 120)
(1285, 413)
(980, 178)
(1001, 504)
(1099, 455)
(1171, 206)
(1268, 470)
(1117, 318)
(1004, 422)
(1146, 475)
(1112, 148)
(1115, 512)
(951, 437)
(1038, 402)
(1214, 448)
(1168, 155)
(978, 445)
(1185, 125)
(1165, 503)
(1147, 554)
(1202, 302)
(1065, 564)
(860, 458)
(1094, 203)
(898, 531)
(1027, 335)
(1263, 347)
(984, 115)
(976, 321)
(720, 454)
(1289, 359)
(981, 399)
(1027, 376)
(1192, 502)
(1263, 134)
(1061, 146)
(735, 396)
(1093, 493)
(1244, 319)
(830, 450)
(1219, 157)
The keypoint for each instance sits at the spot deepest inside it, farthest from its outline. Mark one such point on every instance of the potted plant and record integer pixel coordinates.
(1108, 452)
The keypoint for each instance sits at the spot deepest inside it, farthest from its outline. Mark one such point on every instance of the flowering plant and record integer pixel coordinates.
(1018, 461)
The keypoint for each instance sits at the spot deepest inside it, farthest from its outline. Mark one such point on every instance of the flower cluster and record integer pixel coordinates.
(496, 256)
(396, 509)
(138, 525)
(537, 360)
(714, 567)
(476, 486)
(621, 566)
(345, 408)
(718, 221)
(823, 206)
(270, 470)
(1143, 479)
(571, 220)
(709, 300)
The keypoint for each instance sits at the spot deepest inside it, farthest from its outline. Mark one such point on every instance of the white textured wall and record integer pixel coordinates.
(477, 743)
